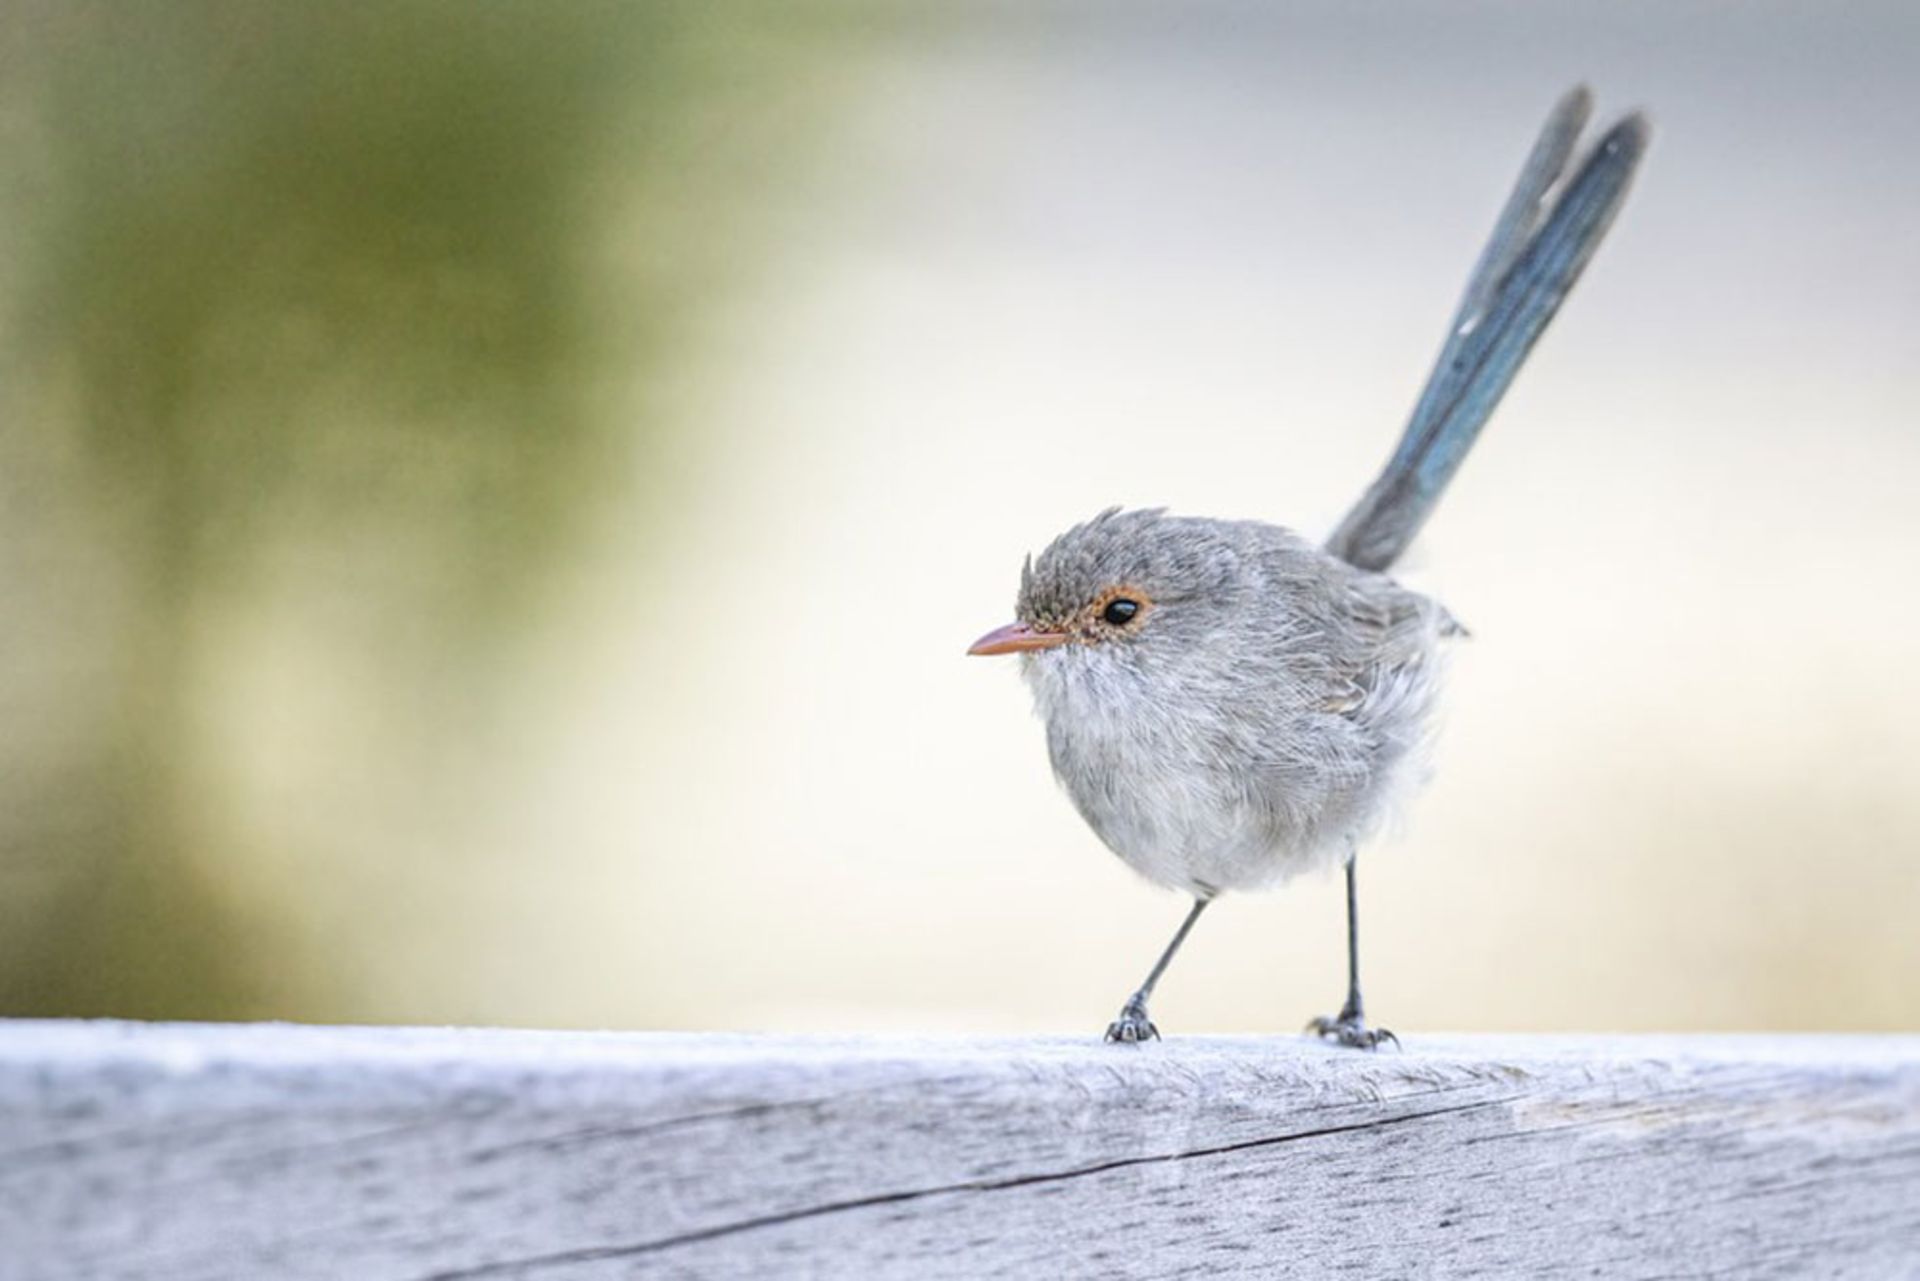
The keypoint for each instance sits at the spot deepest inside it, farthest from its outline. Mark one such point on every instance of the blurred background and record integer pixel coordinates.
(493, 500)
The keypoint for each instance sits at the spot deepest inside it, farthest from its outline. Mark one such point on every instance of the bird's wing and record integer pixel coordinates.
(1381, 645)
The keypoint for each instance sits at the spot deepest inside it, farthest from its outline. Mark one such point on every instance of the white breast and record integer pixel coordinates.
(1151, 783)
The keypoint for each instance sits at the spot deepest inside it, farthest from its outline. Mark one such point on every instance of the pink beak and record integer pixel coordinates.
(1015, 637)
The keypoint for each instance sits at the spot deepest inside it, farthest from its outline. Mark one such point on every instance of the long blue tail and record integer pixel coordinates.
(1527, 268)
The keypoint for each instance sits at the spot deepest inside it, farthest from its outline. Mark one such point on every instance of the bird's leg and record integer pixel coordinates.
(1349, 1027)
(1133, 1023)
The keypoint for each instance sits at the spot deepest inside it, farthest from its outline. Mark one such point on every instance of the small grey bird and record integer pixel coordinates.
(1229, 704)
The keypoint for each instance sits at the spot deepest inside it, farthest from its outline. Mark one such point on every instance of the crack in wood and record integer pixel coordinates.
(599, 1254)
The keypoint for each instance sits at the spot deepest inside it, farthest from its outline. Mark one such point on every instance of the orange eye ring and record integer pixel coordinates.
(1120, 607)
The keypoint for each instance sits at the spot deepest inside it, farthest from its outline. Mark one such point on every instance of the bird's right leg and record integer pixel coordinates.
(1349, 1027)
(1133, 1023)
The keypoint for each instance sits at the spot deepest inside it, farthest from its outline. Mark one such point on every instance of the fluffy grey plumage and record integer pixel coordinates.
(1258, 715)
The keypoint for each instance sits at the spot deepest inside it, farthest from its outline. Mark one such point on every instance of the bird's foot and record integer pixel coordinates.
(1133, 1025)
(1351, 1030)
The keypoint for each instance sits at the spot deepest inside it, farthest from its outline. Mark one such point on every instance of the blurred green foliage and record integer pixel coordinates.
(354, 305)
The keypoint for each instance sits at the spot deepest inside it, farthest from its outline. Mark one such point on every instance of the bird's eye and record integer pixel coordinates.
(1120, 611)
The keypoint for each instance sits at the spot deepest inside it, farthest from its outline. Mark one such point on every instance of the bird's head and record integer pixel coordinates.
(1126, 586)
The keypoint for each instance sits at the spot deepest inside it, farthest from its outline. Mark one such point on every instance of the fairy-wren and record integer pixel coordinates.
(1230, 704)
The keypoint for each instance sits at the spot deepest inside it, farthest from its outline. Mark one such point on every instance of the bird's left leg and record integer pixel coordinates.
(1349, 1027)
(1133, 1023)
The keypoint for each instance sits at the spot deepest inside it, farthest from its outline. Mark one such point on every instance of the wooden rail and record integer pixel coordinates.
(270, 1151)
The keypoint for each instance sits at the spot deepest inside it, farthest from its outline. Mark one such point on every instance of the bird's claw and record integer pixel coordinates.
(1351, 1031)
(1133, 1026)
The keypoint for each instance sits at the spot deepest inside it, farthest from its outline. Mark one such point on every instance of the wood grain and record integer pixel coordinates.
(161, 1151)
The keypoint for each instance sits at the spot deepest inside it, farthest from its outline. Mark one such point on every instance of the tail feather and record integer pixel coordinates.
(1527, 268)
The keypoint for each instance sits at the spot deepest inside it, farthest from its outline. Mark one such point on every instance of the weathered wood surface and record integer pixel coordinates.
(272, 1151)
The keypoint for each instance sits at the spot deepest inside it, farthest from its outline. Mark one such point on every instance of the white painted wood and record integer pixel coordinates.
(268, 1151)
